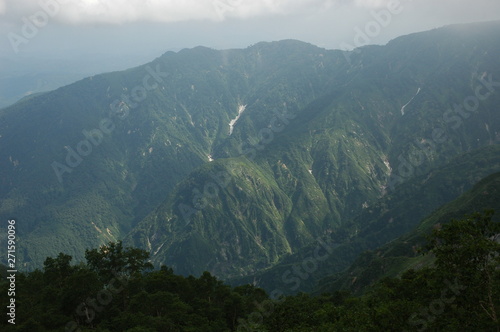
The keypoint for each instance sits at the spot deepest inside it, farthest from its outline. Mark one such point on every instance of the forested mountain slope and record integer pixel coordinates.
(228, 161)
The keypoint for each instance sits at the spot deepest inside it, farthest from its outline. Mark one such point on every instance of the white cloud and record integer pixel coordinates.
(372, 3)
(124, 11)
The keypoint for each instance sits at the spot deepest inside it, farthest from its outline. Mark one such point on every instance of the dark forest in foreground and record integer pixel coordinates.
(117, 290)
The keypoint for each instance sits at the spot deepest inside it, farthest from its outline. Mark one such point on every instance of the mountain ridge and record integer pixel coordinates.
(318, 141)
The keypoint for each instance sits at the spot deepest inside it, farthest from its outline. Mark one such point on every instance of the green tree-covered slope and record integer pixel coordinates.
(116, 290)
(404, 253)
(394, 215)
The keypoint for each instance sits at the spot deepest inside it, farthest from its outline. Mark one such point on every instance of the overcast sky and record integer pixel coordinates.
(148, 28)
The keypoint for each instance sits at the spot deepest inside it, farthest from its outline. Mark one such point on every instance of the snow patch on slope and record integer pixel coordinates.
(403, 108)
(241, 109)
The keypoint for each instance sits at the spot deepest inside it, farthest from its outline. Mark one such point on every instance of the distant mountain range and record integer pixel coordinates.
(239, 161)
(25, 75)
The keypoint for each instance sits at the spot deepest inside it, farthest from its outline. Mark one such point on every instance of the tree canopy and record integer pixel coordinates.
(117, 290)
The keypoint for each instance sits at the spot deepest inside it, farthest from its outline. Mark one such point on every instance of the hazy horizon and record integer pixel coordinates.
(79, 38)
(78, 27)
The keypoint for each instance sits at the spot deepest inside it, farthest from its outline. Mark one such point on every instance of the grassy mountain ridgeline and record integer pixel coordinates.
(321, 139)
